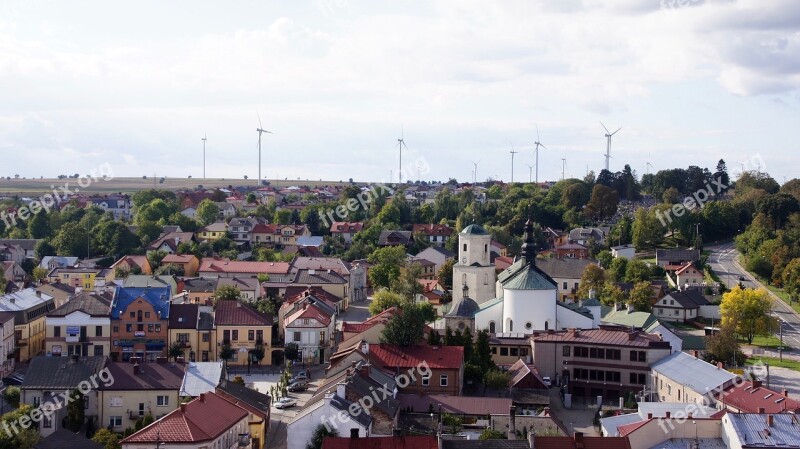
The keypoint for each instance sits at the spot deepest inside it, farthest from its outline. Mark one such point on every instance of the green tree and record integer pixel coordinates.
(611, 294)
(445, 276)
(723, 346)
(26, 438)
(636, 271)
(11, 395)
(603, 203)
(39, 273)
(647, 230)
(206, 212)
(747, 311)
(640, 295)
(106, 438)
(226, 353)
(496, 379)
(39, 226)
(227, 293)
(791, 279)
(671, 196)
(407, 283)
(75, 411)
(155, 258)
(384, 299)
(319, 435)
(386, 263)
(491, 434)
(592, 278)
(616, 270)
(44, 248)
(291, 351)
(71, 240)
(175, 350)
(604, 257)
(407, 327)
(115, 239)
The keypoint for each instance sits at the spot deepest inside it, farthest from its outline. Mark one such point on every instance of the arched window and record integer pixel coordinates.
(464, 279)
(491, 327)
(546, 325)
(511, 325)
(486, 279)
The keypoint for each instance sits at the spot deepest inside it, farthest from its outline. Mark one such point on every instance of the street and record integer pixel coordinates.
(724, 261)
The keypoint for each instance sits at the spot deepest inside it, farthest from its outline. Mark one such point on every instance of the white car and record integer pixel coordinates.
(547, 381)
(285, 403)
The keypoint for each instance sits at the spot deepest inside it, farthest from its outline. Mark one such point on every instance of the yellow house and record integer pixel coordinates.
(192, 325)
(257, 405)
(188, 262)
(29, 307)
(86, 278)
(138, 389)
(245, 330)
(131, 264)
(212, 232)
(198, 290)
(81, 327)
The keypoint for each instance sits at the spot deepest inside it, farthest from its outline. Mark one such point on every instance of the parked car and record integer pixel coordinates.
(302, 375)
(547, 381)
(285, 403)
(299, 385)
(14, 379)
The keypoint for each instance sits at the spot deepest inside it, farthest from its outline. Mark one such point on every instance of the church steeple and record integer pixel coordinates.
(529, 247)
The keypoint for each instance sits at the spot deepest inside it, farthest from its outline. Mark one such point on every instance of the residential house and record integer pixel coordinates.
(572, 250)
(47, 378)
(245, 330)
(346, 230)
(296, 295)
(118, 204)
(369, 330)
(188, 263)
(395, 238)
(12, 271)
(437, 255)
(132, 264)
(673, 259)
(437, 234)
(138, 389)
(583, 236)
(7, 345)
(199, 290)
(609, 361)
(335, 264)
(327, 280)
(446, 365)
(435, 294)
(66, 439)
(566, 272)
(525, 376)
(643, 321)
(680, 306)
(208, 421)
(311, 326)
(689, 276)
(80, 277)
(508, 348)
(753, 397)
(241, 229)
(50, 262)
(139, 322)
(10, 252)
(29, 308)
(749, 430)
(286, 235)
(81, 326)
(168, 241)
(145, 281)
(683, 378)
(201, 377)
(498, 249)
(61, 293)
(226, 210)
(351, 419)
(554, 237)
(212, 232)
(250, 288)
(399, 442)
(27, 245)
(214, 267)
(611, 426)
(192, 325)
(624, 251)
(256, 403)
(189, 212)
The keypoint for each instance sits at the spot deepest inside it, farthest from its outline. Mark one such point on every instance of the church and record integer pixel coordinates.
(523, 298)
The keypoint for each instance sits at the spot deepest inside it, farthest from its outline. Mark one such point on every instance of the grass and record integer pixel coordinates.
(770, 342)
(785, 363)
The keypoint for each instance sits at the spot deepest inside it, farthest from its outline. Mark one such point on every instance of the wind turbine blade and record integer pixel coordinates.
(604, 127)
(544, 147)
(616, 131)
(537, 133)
(259, 120)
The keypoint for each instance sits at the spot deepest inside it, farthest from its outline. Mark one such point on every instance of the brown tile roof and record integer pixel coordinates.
(588, 443)
(606, 335)
(467, 405)
(177, 258)
(311, 312)
(152, 376)
(222, 265)
(749, 398)
(441, 357)
(203, 419)
(433, 229)
(346, 227)
(405, 442)
(183, 316)
(231, 313)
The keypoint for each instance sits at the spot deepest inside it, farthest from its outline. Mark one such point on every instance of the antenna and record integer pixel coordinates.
(563, 168)
(536, 152)
(608, 142)
(400, 144)
(260, 130)
(204, 155)
(475, 172)
(512, 160)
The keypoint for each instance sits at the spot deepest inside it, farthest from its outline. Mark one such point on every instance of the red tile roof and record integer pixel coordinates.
(177, 258)
(437, 357)
(346, 227)
(382, 317)
(233, 313)
(588, 443)
(295, 293)
(433, 229)
(748, 398)
(311, 312)
(203, 419)
(467, 405)
(407, 442)
(222, 265)
(606, 335)
(629, 428)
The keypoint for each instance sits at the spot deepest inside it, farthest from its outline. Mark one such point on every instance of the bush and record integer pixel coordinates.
(11, 395)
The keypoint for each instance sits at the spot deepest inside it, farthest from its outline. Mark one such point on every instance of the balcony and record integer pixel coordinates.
(185, 344)
(134, 415)
(244, 440)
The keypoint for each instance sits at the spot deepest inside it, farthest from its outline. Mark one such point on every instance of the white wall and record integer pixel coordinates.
(710, 312)
(529, 306)
(299, 431)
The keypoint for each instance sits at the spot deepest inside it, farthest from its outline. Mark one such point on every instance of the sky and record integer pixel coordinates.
(137, 85)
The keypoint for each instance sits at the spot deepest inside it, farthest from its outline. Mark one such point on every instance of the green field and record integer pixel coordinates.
(772, 342)
(786, 363)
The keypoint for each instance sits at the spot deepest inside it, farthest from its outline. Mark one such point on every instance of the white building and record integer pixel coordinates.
(474, 267)
(625, 251)
(311, 328)
(334, 411)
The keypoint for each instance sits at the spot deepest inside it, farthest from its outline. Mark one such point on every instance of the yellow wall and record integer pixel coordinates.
(130, 403)
(196, 344)
(244, 343)
(33, 335)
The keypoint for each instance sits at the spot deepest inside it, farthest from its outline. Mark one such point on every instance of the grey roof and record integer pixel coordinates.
(691, 299)
(575, 308)
(474, 229)
(201, 377)
(205, 320)
(683, 443)
(403, 237)
(696, 374)
(750, 430)
(251, 397)
(60, 373)
(26, 244)
(591, 302)
(200, 285)
(522, 275)
(463, 307)
(88, 302)
(317, 277)
(64, 439)
(364, 388)
(441, 250)
(343, 405)
(563, 268)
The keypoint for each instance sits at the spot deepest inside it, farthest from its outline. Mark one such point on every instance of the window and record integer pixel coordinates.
(147, 314)
(226, 335)
(235, 335)
(206, 337)
(465, 247)
(57, 331)
(426, 380)
(564, 285)
(47, 421)
(133, 314)
(443, 380)
(98, 331)
(523, 352)
(36, 401)
(676, 313)
(528, 325)
(98, 350)
(259, 335)
(485, 279)
(149, 328)
(514, 352)
(158, 328)
(296, 336)
(494, 349)
(511, 325)
(116, 401)
(115, 421)
(565, 351)
(205, 356)
(141, 409)
(140, 327)
(251, 335)
(491, 327)
(116, 328)
(129, 327)
(504, 351)
(162, 401)
(679, 395)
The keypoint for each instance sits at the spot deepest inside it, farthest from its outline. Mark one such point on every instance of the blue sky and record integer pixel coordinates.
(137, 86)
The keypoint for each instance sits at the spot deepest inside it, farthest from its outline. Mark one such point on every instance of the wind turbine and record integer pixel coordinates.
(204, 155)
(260, 130)
(512, 161)
(475, 172)
(649, 166)
(530, 174)
(563, 168)
(400, 144)
(608, 142)
(536, 152)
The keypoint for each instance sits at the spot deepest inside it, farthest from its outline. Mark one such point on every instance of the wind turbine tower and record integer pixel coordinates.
(530, 173)
(512, 162)
(475, 172)
(400, 144)
(563, 168)
(260, 131)
(608, 142)
(536, 152)
(204, 155)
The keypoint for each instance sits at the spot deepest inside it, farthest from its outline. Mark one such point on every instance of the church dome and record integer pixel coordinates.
(463, 308)
(474, 229)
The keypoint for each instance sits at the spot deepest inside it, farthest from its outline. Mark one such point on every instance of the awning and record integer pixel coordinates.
(154, 345)
(126, 344)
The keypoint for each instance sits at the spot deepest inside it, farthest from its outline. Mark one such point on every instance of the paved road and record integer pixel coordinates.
(724, 261)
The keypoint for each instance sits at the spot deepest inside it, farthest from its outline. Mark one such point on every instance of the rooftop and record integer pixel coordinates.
(753, 430)
(89, 303)
(158, 297)
(443, 357)
(201, 377)
(606, 335)
(694, 373)
(60, 373)
(151, 376)
(229, 313)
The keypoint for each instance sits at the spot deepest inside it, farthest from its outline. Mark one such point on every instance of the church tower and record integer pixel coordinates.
(474, 268)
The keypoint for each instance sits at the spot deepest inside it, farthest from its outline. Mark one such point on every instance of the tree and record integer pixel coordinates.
(107, 439)
(611, 294)
(636, 271)
(791, 279)
(747, 311)
(175, 350)
(226, 353)
(592, 278)
(39, 226)
(386, 263)
(155, 258)
(640, 295)
(723, 346)
(44, 248)
(407, 284)
(206, 212)
(291, 351)
(26, 438)
(491, 434)
(75, 411)
(227, 293)
(647, 230)
(319, 435)
(671, 196)
(39, 273)
(496, 379)
(11, 396)
(603, 203)
(616, 270)
(384, 299)
(407, 327)
(71, 240)
(445, 276)
(114, 238)
(604, 258)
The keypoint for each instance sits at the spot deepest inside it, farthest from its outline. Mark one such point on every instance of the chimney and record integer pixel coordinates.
(183, 407)
(38, 294)
(649, 416)
(667, 415)
(578, 439)
(785, 393)
(340, 390)
(756, 384)
(696, 354)
(632, 335)
(202, 397)
(161, 360)
(720, 365)
(512, 423)
(365, 347)
(136, 369)
(761, 410)
(630, 308)
(770, 420)
(354, 432)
